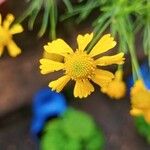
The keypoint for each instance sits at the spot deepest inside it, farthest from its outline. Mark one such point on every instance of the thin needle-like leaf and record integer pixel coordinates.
(45, 19)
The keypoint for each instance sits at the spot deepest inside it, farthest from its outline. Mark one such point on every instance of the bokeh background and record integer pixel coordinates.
(20, 79)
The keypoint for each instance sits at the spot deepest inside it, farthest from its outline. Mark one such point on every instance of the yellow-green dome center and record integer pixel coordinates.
(79, 65)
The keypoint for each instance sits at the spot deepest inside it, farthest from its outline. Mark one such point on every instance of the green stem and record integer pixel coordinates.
(149, 58)
(68, 5)
(135, 65)
(134, 73)
(32, 18)
(27, 12)
(53, 18)
(120, 67)
(34, 14)
(45, 18)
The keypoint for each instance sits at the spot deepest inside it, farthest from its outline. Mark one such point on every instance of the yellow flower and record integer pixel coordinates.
(140, 101)
(6, 33)
(117, 88)
(53, 56)
(79, 65)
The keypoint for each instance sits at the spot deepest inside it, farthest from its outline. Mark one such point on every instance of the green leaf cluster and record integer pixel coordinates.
(75, 130)
(143, 24)
(49, 16)
(143, 127)
(123, 17)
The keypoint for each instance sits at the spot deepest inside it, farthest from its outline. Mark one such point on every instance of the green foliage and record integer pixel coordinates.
(143, 127)
(143, 23)
(82, 10)
(74, 122)
(122, 17)
(49, 15)
(75, 130)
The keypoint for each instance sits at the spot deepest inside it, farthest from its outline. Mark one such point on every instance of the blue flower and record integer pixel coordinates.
(145, 72)
(46, 105)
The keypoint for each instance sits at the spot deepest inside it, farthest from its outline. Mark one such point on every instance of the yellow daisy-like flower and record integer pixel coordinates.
(140, 101)
(117, 88)
(6, 33)
(79, 65)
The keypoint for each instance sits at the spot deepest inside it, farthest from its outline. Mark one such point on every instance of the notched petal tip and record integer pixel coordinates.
(83, 88)
(42, 61)
(103, 45)
(122, 58)
(84, 40)
(49, 66)
(58, 46)
(59, 84)
(110, 60)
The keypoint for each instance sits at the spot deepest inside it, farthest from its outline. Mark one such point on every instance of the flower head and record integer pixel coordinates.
(140, 101)
(79, 65)
(117, 88)
(6, 34)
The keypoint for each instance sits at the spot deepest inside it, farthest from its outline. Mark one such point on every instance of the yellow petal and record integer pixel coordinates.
(17, 28)
(104, 44)
(83, 88)
(138, 87)
(102, 77)
(147, 116)
(109, 60)
(59, 84)
(83, 41)
(118, 75)
(1, 50)
(13, 49)
(58, 46)
(115, 89)
(52, 56)
(8, 21)
(136, 112)
(0, 19)
(48, 66)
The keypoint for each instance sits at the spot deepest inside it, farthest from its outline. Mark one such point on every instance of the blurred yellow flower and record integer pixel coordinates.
(140, 101)
(6, 33)
(117, 88)
(79, 65)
